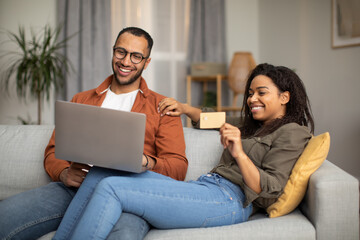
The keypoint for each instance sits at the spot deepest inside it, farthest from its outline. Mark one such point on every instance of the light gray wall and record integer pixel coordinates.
(242, 35)
(34, 13)
(242, 24)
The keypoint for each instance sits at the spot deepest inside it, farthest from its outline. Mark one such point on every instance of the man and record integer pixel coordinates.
(31, 214)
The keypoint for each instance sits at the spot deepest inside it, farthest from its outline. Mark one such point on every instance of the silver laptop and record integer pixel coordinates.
(99, 136)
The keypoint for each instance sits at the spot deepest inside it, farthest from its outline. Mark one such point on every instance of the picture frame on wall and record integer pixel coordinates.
(345, 23)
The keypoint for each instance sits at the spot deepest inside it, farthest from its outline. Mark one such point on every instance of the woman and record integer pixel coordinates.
(257, 160)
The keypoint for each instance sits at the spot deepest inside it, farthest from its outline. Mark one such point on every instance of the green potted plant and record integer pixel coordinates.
(209, 99)
(37, 65)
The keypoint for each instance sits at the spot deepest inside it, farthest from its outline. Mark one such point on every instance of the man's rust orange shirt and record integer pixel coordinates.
(164, 136)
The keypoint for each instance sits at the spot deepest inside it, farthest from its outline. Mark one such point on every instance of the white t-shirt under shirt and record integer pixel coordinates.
(124, 101)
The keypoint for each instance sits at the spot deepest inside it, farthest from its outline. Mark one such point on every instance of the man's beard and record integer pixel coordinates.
(131, 80)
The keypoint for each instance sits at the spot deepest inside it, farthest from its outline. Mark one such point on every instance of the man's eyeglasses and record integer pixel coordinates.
(135, 57)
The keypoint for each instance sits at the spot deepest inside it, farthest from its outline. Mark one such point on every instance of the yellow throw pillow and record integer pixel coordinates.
(310, 160)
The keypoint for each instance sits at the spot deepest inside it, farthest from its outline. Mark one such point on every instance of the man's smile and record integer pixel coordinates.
(124, 71)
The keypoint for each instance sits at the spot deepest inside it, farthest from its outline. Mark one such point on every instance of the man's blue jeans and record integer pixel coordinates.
(164, 202)
(34, 213)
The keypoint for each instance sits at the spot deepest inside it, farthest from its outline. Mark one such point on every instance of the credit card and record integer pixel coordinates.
(212, 120)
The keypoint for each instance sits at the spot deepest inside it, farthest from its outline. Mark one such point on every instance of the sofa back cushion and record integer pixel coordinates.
(21, 157)
(203, 151)
(22, 154)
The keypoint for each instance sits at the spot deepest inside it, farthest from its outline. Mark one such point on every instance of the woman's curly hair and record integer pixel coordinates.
(298, 108)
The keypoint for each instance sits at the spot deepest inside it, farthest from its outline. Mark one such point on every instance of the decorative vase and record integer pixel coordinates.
(241, 65)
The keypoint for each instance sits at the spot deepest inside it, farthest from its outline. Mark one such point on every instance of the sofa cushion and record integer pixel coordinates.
(22, 153)
(292, 226)
(310, 160)
(205, 155)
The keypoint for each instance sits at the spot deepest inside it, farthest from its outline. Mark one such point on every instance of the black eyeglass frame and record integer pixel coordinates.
(131, 54)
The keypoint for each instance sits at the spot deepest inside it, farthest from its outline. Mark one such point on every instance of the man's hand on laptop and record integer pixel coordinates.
(74, 175)
(148, 162)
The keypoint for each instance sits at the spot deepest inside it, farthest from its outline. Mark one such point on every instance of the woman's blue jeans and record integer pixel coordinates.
(135, 227)
(164, 202)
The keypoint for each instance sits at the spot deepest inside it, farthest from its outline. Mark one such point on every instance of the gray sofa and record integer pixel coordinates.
(330, 209)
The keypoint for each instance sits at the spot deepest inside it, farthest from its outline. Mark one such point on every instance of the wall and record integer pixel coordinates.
(34, 13)
(298, 34)
(242, 22)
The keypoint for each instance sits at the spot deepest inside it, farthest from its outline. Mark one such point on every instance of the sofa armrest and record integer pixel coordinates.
(331, 203)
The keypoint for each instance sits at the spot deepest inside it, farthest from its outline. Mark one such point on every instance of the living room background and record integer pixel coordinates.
(296, 34)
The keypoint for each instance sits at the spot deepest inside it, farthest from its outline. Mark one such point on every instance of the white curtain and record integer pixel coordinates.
(207, 32)
(90, 49)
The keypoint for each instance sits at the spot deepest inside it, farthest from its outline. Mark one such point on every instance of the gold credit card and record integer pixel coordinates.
(212, 119)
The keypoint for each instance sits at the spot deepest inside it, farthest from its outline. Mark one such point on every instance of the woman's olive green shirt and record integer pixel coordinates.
(274, 155)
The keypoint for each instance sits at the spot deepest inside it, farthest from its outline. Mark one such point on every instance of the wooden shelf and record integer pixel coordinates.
(229, 109)
(205, 79)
